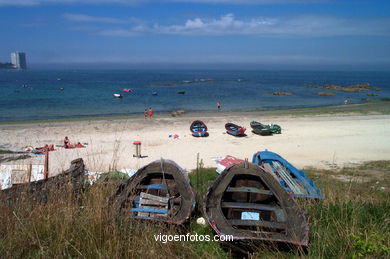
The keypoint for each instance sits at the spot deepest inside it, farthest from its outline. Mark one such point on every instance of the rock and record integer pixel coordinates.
(201, 221)
(326, 94)
(349, 88)
(283, 93)
(178, 113)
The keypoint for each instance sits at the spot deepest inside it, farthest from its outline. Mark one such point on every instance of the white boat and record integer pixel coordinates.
(118, 95)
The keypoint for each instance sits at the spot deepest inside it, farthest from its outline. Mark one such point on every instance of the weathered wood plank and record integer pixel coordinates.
(152, 202)
(242, 205)
(153, 187)
(257, 223)
(249, 189)
(154, 197)
(150, 210)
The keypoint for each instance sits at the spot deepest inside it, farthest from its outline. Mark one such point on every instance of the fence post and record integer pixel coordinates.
(29, 172)
(46, 165)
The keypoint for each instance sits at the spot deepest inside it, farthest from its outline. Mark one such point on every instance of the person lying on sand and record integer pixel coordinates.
(79, 145)
(46, 147)
(66, 142)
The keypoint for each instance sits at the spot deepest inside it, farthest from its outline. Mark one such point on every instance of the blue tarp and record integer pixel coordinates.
(267, 157)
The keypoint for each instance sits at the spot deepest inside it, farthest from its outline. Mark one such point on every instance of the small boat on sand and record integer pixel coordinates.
(260, 129)
(248, 203)
(294, 181)
(234, 129)
(263, 129)
(198, 129)
(117, 95)
(159, 191)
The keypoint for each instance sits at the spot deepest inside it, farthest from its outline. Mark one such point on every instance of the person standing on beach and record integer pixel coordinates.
(146, 114)
(218, 106)
(150, 113)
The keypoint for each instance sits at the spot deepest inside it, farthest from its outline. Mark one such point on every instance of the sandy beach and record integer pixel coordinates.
(323, 141)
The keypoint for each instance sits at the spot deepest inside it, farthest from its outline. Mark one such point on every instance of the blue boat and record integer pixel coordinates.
(290, 178)
(235, 130)
(198, 129)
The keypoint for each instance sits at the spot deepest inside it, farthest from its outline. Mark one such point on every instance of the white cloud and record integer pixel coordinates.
(298, 26)
(225, 25)
(305, 25)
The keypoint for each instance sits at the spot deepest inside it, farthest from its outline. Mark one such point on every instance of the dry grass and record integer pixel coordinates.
(353, 221)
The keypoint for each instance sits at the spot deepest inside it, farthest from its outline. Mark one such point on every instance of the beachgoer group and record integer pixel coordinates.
(148, 113)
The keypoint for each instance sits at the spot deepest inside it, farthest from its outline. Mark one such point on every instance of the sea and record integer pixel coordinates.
(51, 94)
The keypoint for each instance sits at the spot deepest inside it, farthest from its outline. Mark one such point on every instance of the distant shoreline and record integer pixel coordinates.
(377, 107)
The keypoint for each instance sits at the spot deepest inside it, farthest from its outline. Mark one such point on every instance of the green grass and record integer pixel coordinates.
(5, 151)
(351, 222)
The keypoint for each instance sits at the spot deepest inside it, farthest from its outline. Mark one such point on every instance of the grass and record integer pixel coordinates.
(352, 222)
(6, 151)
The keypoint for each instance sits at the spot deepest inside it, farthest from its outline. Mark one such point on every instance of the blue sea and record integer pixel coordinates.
(36, 94)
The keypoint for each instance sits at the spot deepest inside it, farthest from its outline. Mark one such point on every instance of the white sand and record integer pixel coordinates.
(319, 141)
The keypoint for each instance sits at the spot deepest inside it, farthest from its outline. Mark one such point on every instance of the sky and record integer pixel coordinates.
(306, 34)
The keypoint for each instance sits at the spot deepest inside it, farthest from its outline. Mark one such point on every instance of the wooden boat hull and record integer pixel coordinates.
(198, 129)
(247, 203)
(159, 191)
(234, 129)
(290, 178)
(261, 129)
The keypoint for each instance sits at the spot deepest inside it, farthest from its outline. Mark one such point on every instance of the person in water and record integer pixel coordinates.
(146, 113)
(218, 106)
(150, 113)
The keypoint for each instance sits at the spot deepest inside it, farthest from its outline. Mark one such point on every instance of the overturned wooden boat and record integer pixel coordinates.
(247, 203)
(159, 191)
(290, 178)
(66, 186)
(198, 129)
(234, 129)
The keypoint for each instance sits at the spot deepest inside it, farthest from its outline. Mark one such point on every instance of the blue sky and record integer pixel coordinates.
(266, 33)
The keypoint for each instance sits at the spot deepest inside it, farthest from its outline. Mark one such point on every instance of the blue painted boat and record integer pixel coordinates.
(198, 129)
(159, 191)
(235, 130)
(290, 178)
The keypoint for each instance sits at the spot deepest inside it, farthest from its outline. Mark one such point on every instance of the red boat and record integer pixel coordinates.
(127, 90)
(234, 129)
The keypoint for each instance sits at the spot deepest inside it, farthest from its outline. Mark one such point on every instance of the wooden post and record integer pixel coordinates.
(29, 172)
(46, 165)
(197, 172)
